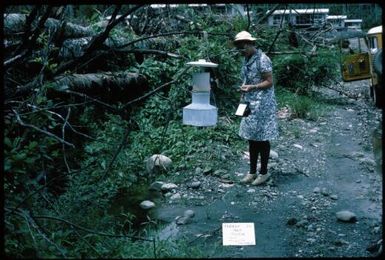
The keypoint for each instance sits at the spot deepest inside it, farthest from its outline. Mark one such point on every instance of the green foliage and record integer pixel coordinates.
(299, 73)
(301, 106)
(26, 156)
(100, 152)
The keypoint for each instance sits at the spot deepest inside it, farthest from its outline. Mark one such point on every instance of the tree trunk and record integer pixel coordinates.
(14, 24)
(104, 86)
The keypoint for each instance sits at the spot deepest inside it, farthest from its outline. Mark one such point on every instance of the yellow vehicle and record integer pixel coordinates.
(366, 63)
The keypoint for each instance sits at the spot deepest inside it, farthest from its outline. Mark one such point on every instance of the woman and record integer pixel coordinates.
(260, 126)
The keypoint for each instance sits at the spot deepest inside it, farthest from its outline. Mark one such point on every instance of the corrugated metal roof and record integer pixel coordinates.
(302, 11)
(353, 20)
(336, 17)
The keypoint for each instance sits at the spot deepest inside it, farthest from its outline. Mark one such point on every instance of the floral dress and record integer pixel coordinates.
(261, 124)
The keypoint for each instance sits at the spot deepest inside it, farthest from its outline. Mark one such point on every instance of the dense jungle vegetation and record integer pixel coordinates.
(92, 91)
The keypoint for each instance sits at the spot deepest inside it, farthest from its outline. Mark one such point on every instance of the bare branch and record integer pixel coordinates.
(90, 98)
(27, 27)
(267, 15)
(63, 136)
(41, 130)
(77, 233)
(170, 34)
(15, 59)
(37, 109)
(30, 43)
(156, 52)
(30, 220)
(96, 41)
(155, 90)
(248, 18)
(89, 230)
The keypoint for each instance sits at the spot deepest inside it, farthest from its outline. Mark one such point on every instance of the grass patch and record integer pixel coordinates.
(301, 106)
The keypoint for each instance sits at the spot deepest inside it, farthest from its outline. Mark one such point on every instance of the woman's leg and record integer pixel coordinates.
(264, 147)
(253, 152)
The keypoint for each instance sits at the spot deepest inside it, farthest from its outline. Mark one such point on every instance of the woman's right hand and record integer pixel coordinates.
(247, 88)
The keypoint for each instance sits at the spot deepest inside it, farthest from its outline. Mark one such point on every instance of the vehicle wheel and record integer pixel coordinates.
(378, 98)
(371, 95)
(377, 62)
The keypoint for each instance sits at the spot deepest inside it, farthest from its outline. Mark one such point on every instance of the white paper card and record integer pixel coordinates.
(238, 234)
(241, 109)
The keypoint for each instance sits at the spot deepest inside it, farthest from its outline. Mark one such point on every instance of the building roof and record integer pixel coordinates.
(301, 11)
(377, 29)
(353, 20)
(189, 5)
(162, 5)
(336, 17)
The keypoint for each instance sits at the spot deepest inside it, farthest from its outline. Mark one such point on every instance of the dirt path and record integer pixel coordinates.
(322, 167)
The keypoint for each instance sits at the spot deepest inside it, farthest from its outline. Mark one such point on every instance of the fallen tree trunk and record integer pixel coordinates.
(75, 48)
(14, 24)
(104, 86)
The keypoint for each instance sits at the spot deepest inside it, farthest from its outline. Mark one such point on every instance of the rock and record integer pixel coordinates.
(207, 170)
(183, 220)
(310, 227)
(195, 185)
(368, 162)
(311, 240)
(226, 176)
(376, 230)
(189, 213)
(302, 223)
(226, 185)
(374, 248)
(324, 192)
(334, 197)
(292, 221)
(169, 232)
(147, 204)
(273, 155)
(176, 196)
(166, 187)
(346, 216)
(340, 242)
(156, 186)
(220, 172)
(198, 170)
(298, 146)
(158, 163)
(358, 154)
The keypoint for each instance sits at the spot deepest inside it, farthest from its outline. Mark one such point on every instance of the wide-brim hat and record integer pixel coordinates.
(244, 36)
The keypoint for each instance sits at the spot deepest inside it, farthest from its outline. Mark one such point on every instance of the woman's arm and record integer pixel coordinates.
(267, 82)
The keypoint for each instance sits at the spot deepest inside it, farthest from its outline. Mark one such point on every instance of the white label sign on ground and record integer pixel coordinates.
(238, 234)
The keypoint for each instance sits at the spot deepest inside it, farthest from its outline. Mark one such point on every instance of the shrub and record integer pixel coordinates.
(300, 106)
(300, 73)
